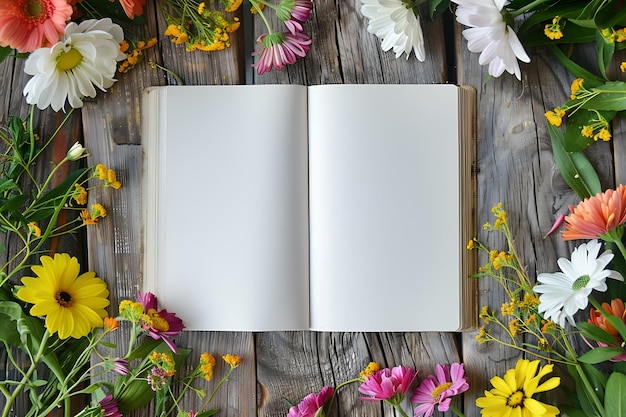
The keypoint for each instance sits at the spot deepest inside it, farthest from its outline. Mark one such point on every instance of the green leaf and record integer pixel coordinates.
(591, 332)
(591, 80)
(575, 168)
(615, 396)
(5, 52)
(572, 411)
(612, 13)
(208, 413)
(143, 350)
(605, 52)
(574, 140)
(590, 385)
(600, 354)
(611, 96)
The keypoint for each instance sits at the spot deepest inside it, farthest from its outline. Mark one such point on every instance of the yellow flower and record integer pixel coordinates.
(131, 310)
(111, 180)
(587, 131)
(101, 171)
(201, 7)
(512, 395)
(232, 5)
(603, 134)
(98, 211)
(73, 304)
(576, 85)
(370, 370)
(553, 30)
(481, 335)
(622, 66)
(34, 229)
(233, 360)
(207, 362)
(87, 219)
(555, 118)
(80, 194)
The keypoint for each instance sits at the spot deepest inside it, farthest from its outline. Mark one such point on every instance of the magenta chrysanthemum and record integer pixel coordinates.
(280, 49)
(439, 389)
(388, 384)
(311, 405)
(159, 324)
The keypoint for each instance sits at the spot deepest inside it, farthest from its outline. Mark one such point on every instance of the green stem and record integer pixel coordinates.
(456, 411)
(36, 359)
(526, 8)
(400, 410)
(590, 390)
(217, 387)
(259, 10)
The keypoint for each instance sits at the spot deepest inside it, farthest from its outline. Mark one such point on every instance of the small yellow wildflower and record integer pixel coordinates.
(622, 66)
(553, 30)
(514, 327)
(112, 181)
(555, 117)
(201, 7)
(470, 244)
(207, 362)
(98, 211)
(87, 219)
(481, 335)
(508, 309)
(530, 319)
(576, 85)
(620, 35)
(546, 325)
(80, 194)
(131, 310)
(34, 229)
(233, 360)
(176, 33)
(603, 134)
(124, 46)
(370, 370)
(529, 301)
(100, 171)
(163, 361)
(608, 34)
(232, 5)
(587, 131)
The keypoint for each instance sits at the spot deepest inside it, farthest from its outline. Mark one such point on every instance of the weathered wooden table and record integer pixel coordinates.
(515, 167)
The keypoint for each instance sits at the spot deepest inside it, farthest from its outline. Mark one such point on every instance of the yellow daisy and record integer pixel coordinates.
(73, 304)
(513, 394)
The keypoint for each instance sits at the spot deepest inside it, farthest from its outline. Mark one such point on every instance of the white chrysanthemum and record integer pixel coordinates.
(70, 70)
(564, 293)
(396, 25)
(489, 34)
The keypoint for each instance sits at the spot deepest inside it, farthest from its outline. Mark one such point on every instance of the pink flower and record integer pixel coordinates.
(133, 8)
(109, 407)
(120, 366)
(312, 405)
(159, 324)
(439, 389)
(27, 25)
(280, 49)
(293, 13)
(388, 384)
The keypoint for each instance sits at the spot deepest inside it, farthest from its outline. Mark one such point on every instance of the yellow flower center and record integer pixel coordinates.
(68, 60)
(63, 298)
(158, 322)
(439, 389)
(515, 400)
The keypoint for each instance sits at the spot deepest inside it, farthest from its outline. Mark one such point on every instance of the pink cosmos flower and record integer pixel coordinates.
(159, 324)
(280, 49)
(312, 405)
(27, 25)
(388, 384)
(439, 389)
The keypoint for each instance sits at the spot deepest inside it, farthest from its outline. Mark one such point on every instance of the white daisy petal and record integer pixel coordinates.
(563, 294)
(395, 25)
(71, 69)
(488, 34)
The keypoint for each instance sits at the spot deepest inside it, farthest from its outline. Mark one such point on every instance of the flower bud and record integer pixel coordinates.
(75, 152)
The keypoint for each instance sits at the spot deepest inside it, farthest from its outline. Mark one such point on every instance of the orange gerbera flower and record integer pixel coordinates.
(133, 8)
(27, 25)
(596, 216)
(616, 308)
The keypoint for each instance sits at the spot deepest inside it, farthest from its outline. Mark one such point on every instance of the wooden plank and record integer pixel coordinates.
(294, 364)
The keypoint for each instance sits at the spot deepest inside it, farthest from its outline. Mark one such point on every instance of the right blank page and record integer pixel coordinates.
(385, 212)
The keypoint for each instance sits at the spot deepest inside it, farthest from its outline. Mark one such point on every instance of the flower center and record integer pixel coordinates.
(581, 282)
(63, 298)
(515, 400)
(69, 60)
(157, 322)
(439, 389)
(36, 11)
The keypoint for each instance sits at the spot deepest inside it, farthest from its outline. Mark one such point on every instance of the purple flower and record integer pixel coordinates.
(439, 389)
(280, 49)
(159, 324)
(120, 366)
(312, 405)
(293, 13)
(388, 384)
(109, 407)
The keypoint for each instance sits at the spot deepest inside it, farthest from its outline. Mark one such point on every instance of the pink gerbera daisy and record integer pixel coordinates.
(439, 389)
(390, 385)
(159, 324)
(597, 216)
(280, 49)
(27, 25)
(313, 404)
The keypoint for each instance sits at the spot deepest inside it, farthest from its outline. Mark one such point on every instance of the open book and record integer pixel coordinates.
(331, 208)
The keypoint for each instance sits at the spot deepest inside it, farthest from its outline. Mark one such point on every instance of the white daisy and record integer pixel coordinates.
(564, 293)
(70, 70)
(395, 23)
(490, 35)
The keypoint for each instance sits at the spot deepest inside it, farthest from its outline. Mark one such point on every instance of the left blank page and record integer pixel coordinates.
(227, 233)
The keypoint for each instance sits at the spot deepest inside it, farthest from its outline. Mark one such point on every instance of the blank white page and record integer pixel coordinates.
(384, 208)
(232, 220)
